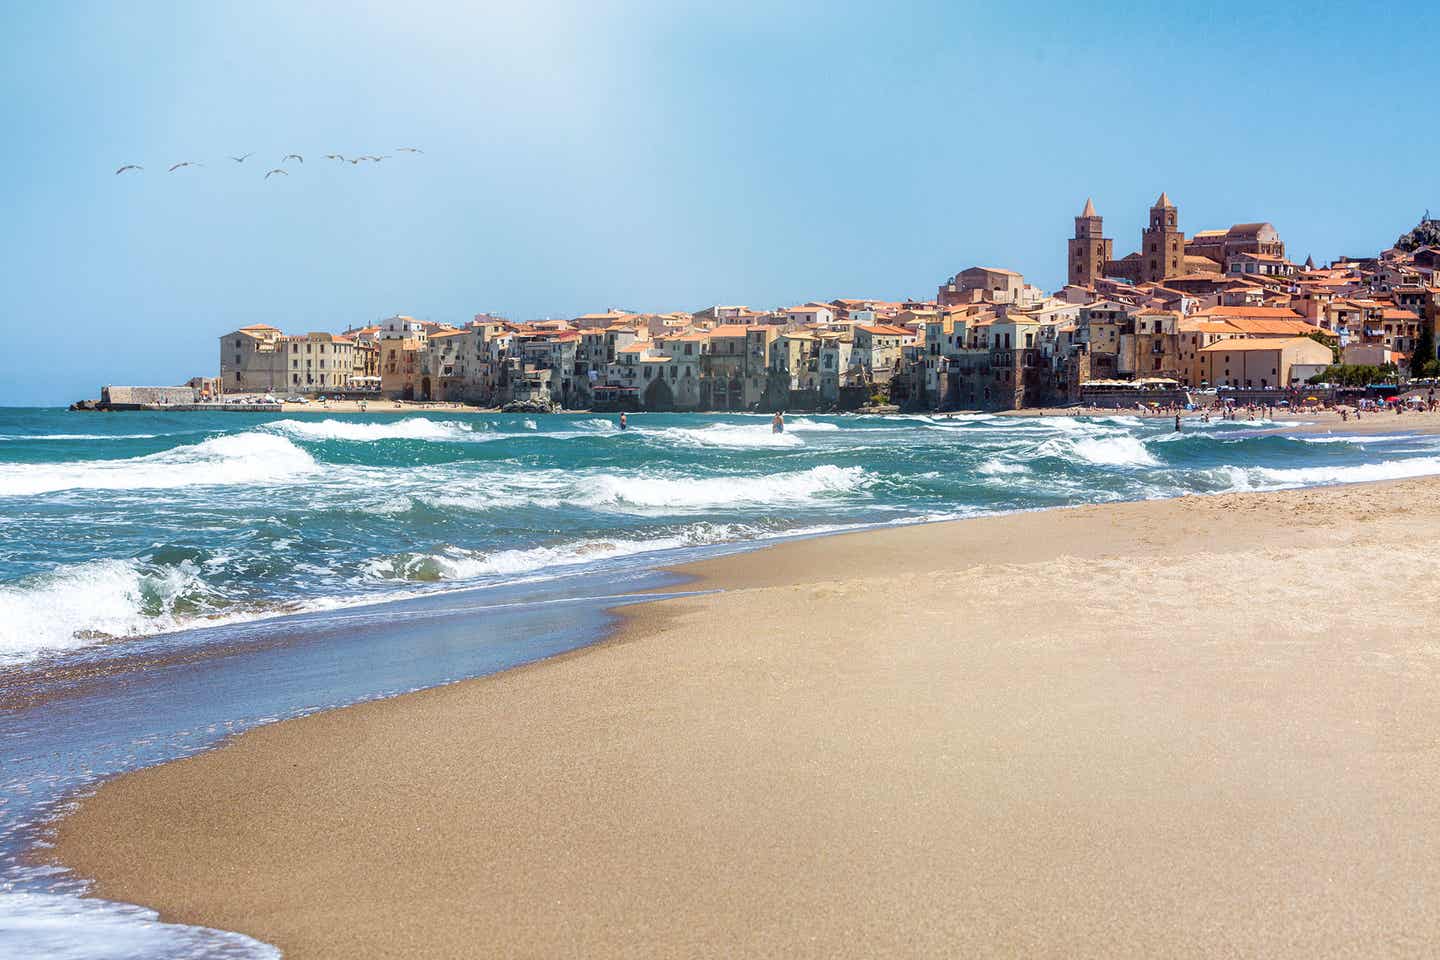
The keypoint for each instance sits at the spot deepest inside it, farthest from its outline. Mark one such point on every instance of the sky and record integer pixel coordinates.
(651, 156)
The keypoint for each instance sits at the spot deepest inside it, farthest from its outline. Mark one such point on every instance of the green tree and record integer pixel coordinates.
(1422, 361)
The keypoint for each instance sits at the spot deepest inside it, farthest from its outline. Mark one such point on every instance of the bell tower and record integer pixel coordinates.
(1162, 245)
(1089, 249)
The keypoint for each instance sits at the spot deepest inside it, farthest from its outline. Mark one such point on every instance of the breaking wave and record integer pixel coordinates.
(1355, 473)
(411, 428)
(739, 435)
(241, 458)
(686, 493)
(81, 604)
(456, 563)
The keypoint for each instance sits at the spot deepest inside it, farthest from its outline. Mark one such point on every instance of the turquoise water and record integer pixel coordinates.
(137, 524)
(210, 572)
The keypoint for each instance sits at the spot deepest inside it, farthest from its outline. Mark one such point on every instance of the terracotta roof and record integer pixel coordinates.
(730, 330)
(1089, 210)
(1240, 344)
(1268, 313)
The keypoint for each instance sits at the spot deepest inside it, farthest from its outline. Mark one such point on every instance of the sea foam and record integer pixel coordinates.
(240, 458)
(410, 428)
(77, 605)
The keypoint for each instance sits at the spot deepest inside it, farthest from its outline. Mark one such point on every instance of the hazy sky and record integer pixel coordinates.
(654, 156)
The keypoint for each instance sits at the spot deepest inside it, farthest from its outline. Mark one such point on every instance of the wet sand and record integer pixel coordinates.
(1200, 727)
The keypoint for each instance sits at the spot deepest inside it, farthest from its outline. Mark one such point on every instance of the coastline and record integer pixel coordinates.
(1185, 767)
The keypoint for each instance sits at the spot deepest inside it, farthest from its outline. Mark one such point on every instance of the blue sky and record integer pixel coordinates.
(653, 156)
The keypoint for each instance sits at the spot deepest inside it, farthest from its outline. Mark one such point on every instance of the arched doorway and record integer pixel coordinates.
(658, 396)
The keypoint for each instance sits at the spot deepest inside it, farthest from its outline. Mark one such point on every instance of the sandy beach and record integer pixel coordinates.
(1189, 728)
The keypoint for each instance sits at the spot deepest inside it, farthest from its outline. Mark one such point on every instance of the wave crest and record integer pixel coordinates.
(240, 458)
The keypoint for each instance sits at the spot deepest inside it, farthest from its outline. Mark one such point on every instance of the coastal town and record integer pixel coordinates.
(1217, 310)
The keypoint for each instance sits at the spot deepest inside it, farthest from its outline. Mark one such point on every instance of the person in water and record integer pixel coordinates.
(777, 425)
(624, 424)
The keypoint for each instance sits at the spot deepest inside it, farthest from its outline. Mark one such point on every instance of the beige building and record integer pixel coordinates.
(252, 360)
(318, 363)
(1259, 363)
(402, 369)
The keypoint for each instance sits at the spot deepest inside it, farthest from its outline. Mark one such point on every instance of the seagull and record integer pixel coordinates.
(187, 163)
(130, 166)
(293, 156)
(333, 156)
(356, 160)
(282, 173)
(409, 150)
(240, 159)
(378, 159)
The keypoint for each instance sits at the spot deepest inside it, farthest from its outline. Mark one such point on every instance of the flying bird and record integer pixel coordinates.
(241, 159)
(293, 156)
(283, 173)
(130, 166)
(187, 163)
(333, 156)
(356, 160)
(409, 150)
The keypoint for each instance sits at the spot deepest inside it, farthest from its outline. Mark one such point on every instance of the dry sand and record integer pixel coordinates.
(1193, 728)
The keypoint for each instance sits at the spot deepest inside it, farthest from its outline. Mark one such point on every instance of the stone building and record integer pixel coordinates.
(1089, 249)
(1222, 245)
(252, 360)
(1162, 245)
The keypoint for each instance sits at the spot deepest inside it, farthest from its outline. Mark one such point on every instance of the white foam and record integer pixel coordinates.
(62, 927)
(729, 435)
(241, 458)
(1119, 451)
(81, 604)
(993, 468)
(680, 493)
(1357, 473)
(455, 563)
(410, 428)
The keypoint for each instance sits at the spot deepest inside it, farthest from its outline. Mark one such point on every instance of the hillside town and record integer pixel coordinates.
(1219, 309)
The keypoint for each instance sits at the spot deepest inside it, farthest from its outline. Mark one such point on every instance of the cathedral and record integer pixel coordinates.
(1164, 252)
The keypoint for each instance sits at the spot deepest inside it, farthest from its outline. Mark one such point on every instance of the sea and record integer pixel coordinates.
(170, 579)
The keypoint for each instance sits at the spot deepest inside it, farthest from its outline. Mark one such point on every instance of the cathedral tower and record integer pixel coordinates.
(1162, 245)
(1089, 249)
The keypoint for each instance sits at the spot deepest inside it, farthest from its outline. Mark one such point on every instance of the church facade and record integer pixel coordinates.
(1164, 250)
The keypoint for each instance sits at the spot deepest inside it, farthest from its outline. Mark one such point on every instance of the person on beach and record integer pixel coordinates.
(777, 425)
(624, 424)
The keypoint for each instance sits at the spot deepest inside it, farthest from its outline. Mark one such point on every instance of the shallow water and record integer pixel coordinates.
(168, 579)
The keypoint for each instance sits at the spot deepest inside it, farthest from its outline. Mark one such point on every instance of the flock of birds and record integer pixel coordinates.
(367, 158)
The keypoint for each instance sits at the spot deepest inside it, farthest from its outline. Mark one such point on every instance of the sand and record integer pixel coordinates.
(1191, 728)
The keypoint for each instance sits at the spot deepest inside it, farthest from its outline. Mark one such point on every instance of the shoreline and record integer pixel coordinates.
(1315, 421)
(152, 837)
